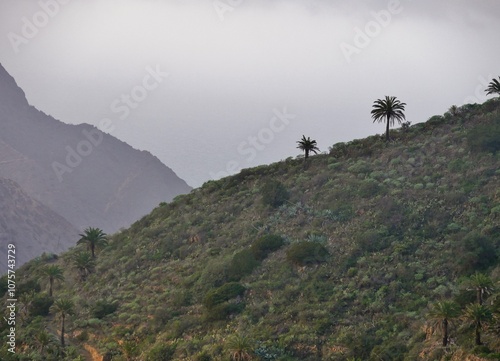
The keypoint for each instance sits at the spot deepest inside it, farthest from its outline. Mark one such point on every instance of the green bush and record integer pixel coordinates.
(4, 287)
(223, 311)
(41, 305)
(25, 287)
(223, 293)
(485, 137)
(274, 194)
(265, 245)
(306, 253)
(242, 264)
(103, 308)
(161, 353)
(474, 252)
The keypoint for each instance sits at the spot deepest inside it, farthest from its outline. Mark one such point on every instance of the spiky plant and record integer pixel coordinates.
(239, 347)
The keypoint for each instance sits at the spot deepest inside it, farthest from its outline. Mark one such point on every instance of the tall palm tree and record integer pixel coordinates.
(493, 87)
(388, 109)
(63, 307)
(94, 238)
(84, 263)
(307, 145)
(477, 315)
(481, 284)
(54, 273)
(441, 315)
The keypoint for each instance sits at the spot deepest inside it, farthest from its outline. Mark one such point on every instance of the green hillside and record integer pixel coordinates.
(342, 257)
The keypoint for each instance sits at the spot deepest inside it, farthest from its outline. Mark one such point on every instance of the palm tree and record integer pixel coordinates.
(440, 316)
(63, 307)
(94, 238)
(493, 87)
(240, 348)
(54, 273)
(43, 339)
(25, 302)
(389, 108)
(477, 315)
(307, 145)
(482, 284)
(84, 263)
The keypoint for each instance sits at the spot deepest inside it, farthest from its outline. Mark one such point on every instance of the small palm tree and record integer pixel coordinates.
(84, 263)
(240, 348)
(94, 238)
(307, 145)
(441, 315)
(54, 273)
(43, 339)
(25, 302)
(493, 87)
(477, 316)
(481, 284)
(63, 307)
(388, 109)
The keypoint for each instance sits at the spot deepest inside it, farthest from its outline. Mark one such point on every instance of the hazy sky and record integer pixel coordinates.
(215, 86)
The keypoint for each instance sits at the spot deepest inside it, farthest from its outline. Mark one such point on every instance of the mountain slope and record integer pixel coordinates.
(89, 177)
(30, 226)
(366, 239)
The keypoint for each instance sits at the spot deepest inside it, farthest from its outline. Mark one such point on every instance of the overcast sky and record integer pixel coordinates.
(200, 83)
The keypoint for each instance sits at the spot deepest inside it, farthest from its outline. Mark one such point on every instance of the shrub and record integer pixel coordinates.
(274, 194)
(41, 305)
(265, 245)
(28, 286)
(3, 285)
(306, 253)
(485, 137)
(223, 293)
(474, 252)
(161, 353)
(242, 264)
(103, 308)
(223, 311)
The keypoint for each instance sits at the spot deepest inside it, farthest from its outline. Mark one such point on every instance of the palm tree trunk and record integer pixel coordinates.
(387, 129)
(479, 296)
(478, 333)
(62, 330)
(51, 283)
(445, 332)
(92, 247)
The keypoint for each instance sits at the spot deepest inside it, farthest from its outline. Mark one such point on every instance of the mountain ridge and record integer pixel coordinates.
(340, 257)
(77, 170)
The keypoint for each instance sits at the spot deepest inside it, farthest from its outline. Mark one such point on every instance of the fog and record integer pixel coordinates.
(211, 87)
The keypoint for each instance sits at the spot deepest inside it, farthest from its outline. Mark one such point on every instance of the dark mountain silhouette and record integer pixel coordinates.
(30, 226)
(89, 177)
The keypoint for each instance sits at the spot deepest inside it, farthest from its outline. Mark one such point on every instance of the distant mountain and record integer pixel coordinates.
(32, 227)
(89, 177)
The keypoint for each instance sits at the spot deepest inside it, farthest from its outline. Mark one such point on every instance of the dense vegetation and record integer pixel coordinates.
(375, 251)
